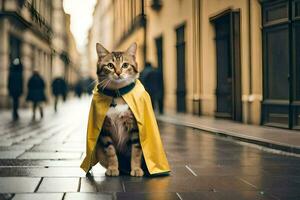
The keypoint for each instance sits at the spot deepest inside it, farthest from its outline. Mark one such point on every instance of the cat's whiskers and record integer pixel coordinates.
(123, 80)
(92, 83)
(107, 83)
(101, 82)
(100, 85)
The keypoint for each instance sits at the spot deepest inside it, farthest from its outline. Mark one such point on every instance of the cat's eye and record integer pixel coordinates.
(125, 65)
(110, 66)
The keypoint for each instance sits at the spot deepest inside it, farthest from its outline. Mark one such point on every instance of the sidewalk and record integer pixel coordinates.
(40, 160)
(275, 138)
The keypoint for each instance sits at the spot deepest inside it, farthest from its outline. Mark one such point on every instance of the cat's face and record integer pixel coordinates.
(116, 69)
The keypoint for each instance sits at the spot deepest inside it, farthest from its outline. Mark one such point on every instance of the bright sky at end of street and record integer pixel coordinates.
(81, 12)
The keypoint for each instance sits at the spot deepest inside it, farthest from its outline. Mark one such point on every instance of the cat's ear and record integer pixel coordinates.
(101, 51)
(132, 49)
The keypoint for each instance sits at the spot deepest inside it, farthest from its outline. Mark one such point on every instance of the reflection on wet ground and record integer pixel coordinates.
(40, 160)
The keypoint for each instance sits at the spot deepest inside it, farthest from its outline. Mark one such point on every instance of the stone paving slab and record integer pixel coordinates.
(290, 193)
(42, 171)
(18, 184)
(38, 196)
(38, 163)
(198, 183)
(50, 155)
(16, 147)
(5, 143)
(147, 196)
(10, 154)
(73, 144)
(228, 171)
(30, 140)
(59, 185)
(225, 195)
(5, 196)
(54, 147)
(88, 196)
(101, 184)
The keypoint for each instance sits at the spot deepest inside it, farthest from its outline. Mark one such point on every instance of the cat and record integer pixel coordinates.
(119, 136)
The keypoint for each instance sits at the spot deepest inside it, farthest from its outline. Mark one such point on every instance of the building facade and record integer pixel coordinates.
(25, 33)
(30, 30)
(72, 73)
(113, 21)
(234, 59)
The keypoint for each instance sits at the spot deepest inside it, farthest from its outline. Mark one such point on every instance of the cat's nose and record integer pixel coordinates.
(118, 72)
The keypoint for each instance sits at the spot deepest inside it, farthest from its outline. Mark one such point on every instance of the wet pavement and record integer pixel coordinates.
(40, 160)
(270, 137)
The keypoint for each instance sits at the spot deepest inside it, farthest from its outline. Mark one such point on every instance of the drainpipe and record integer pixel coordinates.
(200, 59)
(144, 21)
(3, 5)
(250, 98)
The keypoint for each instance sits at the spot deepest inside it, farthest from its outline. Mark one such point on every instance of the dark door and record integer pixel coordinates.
(228, 90)
(296, 78)
(224, 73)
(180, 53)
(159, 53)
(281, 52)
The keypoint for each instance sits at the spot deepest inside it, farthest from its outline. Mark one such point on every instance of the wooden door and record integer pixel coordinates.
(180, 53)
(228, 90)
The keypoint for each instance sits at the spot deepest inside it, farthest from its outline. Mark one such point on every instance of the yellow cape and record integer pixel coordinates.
(139, 102)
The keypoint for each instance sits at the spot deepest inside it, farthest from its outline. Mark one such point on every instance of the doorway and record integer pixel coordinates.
(228, 87)
(281, 63)
(180, 58)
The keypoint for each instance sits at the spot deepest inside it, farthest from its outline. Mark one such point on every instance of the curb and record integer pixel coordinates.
(235, 135)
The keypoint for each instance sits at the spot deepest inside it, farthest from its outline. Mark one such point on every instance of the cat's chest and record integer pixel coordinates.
(115, 112)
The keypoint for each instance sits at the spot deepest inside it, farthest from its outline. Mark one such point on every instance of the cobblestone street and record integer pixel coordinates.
(40, 160)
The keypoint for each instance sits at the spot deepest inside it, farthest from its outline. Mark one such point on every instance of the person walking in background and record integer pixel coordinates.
(150, 79)
(144, 74)
(15, 85)
(90, 84)
(160, 91)
(59, 88)
(78, 89)
(36, 92)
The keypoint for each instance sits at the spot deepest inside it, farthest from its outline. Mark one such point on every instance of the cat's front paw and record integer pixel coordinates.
(112, 172)
(137, 172)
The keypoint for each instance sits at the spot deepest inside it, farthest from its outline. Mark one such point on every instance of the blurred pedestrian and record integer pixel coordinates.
(59, 89)
(150, 79)
(15, 85)
(36, 92)
(78, 89)
(90, 82)
(143, 75)
(160, 91)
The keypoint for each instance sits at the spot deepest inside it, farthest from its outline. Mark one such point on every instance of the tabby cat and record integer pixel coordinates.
(119, 137)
